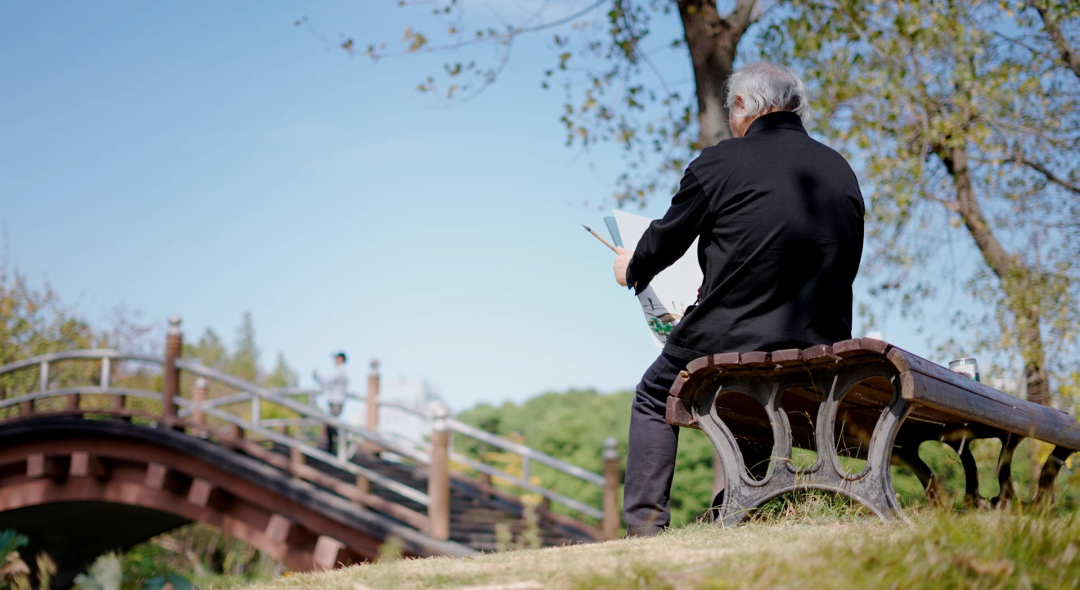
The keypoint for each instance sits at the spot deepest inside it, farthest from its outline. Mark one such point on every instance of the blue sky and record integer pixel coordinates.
(210, 158)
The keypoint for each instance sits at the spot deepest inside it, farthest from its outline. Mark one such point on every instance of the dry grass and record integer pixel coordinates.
(560, 567)
(982, 550)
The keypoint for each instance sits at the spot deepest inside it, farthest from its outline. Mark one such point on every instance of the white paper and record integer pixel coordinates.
(668, 295)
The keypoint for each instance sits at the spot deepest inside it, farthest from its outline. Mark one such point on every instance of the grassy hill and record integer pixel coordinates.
(976, 550)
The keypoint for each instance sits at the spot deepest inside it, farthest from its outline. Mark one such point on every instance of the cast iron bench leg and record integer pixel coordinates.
(971, 472)
(872, 486)
(910, 458)
(1009, 442)
(1045, 492)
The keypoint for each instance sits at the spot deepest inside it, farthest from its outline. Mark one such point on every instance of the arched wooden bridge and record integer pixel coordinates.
(101, 450)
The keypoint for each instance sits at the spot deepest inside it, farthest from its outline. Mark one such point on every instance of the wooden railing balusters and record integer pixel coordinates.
(612, 477)
(198, 396)
(373, 396)
(256, 409)
(174, 344)
(106, 371)
(439, 477)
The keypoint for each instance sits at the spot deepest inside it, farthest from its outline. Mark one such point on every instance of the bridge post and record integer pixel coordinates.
(198, 396)
(296, 461)
(118, 401)
(439, 477)
(373, 396)
(174, 344)
(371, 418)
(612, 473)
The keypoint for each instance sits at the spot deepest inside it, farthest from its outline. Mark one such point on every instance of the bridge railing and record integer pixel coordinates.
(237, 419)
(526, 456)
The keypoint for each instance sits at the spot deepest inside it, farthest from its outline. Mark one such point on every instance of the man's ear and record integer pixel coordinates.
(738, 108)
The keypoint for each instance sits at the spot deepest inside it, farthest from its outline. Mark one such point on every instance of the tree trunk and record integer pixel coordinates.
(713, 40)
(1038, 383)
(1016, 279)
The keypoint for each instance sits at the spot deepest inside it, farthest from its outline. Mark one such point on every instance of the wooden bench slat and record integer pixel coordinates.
(933, 385)
(859, 347)
(874, 345)
(786, 357)
(753, 359)
(678, 413)
(725, 359)
(700, 363)
(816, 354)
(847, 348)
(931, 392)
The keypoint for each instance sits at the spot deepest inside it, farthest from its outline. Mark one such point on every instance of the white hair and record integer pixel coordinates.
(763, 86)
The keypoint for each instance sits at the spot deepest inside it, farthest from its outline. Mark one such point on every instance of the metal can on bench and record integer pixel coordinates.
(966, 366)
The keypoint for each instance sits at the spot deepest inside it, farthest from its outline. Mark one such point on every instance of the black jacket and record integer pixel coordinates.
(780, 222)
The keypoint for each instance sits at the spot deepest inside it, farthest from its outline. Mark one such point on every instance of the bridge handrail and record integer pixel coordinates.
(528, 485)
(487, 437)
(92, 353)
(526, 452)
(88, 390)
(235, 382)
(282, 439)
(353, 468)
(472, 432)
(303, 409)
(313, 416)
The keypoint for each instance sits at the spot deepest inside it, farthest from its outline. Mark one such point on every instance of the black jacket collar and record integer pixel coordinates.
(776, 120)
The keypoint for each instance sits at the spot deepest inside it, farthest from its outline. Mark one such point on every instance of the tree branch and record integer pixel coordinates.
(1049, 174)
(997, 258)
(742, 16)
(505, 37)
(1068, 54)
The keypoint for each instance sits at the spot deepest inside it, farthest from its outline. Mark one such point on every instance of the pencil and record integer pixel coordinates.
(589, 229)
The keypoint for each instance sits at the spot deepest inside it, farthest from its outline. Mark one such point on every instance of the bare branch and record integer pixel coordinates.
(1018, 41)
(1068, 54)
(505, 37)
(946, 203)
(1046, 172)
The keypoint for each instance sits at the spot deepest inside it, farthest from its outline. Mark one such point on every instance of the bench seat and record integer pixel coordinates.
(865, 400)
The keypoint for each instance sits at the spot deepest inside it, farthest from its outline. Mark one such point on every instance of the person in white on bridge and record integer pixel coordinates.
(334, 386)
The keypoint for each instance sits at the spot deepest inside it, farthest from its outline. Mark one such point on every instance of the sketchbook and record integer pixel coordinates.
(665, 300)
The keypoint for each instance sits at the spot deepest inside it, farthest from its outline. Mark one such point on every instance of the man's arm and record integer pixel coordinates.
(666, 239)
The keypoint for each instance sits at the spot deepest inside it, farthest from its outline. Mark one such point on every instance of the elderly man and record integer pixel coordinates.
(779, 222)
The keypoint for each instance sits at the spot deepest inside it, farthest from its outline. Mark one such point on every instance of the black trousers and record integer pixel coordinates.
(331, 432)
(650, 460)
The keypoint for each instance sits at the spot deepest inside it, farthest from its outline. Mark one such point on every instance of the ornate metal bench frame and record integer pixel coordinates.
(922, 401)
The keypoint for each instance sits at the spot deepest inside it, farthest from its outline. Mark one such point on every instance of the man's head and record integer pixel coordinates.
(761, 87)
(339, 358)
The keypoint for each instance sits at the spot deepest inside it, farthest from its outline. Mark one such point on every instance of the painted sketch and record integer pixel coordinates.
(665, 300)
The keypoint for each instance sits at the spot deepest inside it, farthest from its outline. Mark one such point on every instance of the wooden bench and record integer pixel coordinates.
(861, 399)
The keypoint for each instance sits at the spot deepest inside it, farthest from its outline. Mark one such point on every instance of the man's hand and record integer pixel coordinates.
(622, 261)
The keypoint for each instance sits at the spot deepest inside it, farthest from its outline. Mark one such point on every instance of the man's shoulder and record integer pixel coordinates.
(731, 155)
(715, 162)
(725, 150)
